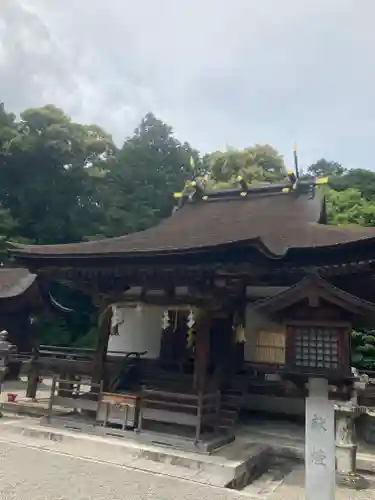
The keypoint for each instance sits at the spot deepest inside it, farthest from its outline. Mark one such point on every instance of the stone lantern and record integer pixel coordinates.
(6, 349)
(346, 444)
(316, 319)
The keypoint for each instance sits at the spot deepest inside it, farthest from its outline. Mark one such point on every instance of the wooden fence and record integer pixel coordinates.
(195, 411)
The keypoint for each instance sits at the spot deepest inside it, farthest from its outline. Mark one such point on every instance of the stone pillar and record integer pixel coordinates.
(346, 447)
(320, 442)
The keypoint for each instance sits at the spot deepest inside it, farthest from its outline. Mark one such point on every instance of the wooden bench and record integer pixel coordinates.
(118, 409)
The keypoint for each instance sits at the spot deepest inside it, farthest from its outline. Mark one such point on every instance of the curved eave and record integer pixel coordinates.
(352, 251)
(22, 252)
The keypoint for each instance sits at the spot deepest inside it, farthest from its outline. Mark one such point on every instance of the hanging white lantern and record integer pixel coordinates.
(165, 320)
(191, 319)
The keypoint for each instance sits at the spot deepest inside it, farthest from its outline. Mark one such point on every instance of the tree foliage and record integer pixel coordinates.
(349, 207)
(61, 181)
(141, 179)
(324, 168)
(260, 163)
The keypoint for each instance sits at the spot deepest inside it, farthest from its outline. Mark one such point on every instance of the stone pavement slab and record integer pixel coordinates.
(226, 465)
(29, 473)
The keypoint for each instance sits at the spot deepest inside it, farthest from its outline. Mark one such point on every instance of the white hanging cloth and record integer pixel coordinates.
(117, 319)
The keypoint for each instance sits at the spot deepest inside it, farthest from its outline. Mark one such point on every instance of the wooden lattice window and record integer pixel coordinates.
(317, 348)
(269, 347)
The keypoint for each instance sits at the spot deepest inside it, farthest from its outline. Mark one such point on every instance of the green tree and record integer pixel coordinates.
(349, 207)
(45, 179)
(8, 228)
(260, 163)
(151, 165)
(324, 168)
(363, 349)
(360, 179)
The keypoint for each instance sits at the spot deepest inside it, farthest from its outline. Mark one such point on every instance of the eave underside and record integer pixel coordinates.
(224, 282)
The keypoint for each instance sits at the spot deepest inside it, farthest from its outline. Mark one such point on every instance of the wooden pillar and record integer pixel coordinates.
(33, 376)
(104, 327)
(202, 350)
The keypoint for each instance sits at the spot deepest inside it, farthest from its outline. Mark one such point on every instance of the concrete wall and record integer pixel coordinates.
(140, 331)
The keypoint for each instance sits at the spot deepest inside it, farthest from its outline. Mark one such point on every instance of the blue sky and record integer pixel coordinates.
(221, 72)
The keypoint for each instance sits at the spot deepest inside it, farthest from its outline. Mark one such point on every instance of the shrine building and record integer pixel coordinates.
(235, 284)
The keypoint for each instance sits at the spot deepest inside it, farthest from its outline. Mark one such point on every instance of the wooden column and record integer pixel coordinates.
(104, 327)
(33, 376)
(202, 350)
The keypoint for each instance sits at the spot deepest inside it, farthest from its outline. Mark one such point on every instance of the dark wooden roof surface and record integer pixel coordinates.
(322, 288)
(271, 222)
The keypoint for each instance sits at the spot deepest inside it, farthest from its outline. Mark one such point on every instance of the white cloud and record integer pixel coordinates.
(219, 71)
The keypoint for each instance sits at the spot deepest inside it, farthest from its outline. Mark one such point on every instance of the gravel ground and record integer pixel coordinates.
(30, 473)
(33, 474)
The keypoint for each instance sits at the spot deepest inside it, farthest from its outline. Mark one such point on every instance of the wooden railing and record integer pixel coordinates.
(69, 363)
(70, 395)
(74, 363)
(50, 360)
(197, 411)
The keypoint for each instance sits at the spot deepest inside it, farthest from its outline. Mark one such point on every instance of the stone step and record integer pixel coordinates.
(229, 465)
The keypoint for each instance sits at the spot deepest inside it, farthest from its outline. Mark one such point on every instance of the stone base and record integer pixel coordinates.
(232, 466)
(354, 481)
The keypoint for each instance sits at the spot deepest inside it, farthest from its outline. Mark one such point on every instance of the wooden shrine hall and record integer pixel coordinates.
(23, 298)
(234, 284)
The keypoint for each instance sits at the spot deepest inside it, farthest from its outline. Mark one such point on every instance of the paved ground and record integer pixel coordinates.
(285, 481)
(33, 474)
(29, 473)
(19, 387)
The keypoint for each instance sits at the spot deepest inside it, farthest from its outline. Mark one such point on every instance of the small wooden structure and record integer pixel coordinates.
(70, 395)
(20, 298)
(199, 412)
(119, 409)
(262, 282)
(23, 298)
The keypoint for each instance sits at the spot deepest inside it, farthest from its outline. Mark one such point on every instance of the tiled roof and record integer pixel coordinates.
(272, 222)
